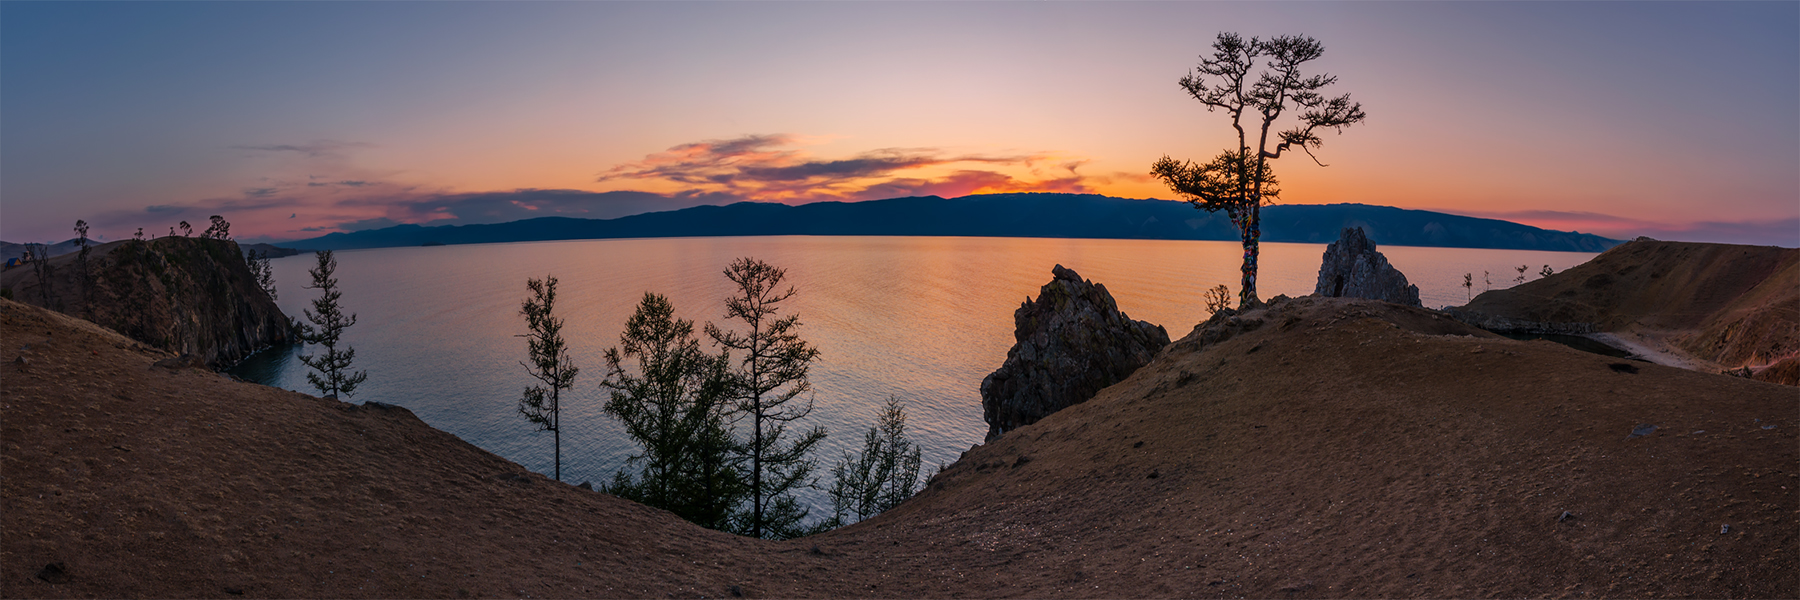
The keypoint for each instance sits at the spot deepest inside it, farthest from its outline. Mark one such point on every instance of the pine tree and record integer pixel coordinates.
(334, 376)
(1240, 180)
(220, 229)
(262, 271)
(677, 407)
(879, 478)
(550, 362)
(39, 255)
(768, 379)
(87, 274)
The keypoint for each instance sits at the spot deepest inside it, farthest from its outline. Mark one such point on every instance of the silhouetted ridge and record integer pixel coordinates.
(996, 215)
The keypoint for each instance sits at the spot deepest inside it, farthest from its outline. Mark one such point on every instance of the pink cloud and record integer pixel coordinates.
(769, 168)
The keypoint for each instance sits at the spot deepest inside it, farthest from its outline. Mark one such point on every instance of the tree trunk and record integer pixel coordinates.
(756, 491)
(556, 427)
(1252, 247)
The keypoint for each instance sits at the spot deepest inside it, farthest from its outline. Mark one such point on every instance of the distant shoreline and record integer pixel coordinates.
(1068, 216)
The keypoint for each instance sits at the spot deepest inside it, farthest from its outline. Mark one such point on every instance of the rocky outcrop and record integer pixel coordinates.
(1071, 342)
(1353, 269)
(185, 295)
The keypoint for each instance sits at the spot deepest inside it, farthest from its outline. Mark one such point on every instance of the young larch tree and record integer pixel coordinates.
(768, 383)
(334, 376)
(677, 406)
(550, 362)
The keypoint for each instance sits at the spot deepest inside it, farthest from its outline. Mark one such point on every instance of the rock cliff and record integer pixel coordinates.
(1072, 341)
(1353, 269)
(184, 295)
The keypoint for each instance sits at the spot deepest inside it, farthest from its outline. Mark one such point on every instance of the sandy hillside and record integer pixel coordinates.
(1720, 305)
(1318, 448)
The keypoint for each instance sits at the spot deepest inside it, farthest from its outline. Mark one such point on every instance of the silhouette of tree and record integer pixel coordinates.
(262, 271)
(1217, 298)
(879, 478)
(39, 255)
(550, 362)
(677, 407)
(81, 262)
(1239, 181)
(768, 380)
(186, 230)
(334, 376)
(218, 230)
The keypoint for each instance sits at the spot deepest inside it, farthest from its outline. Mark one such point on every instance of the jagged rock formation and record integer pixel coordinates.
(184, 295)
(1072, 341)
(1353, 269)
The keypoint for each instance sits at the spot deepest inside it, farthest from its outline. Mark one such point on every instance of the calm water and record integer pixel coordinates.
(920, 318)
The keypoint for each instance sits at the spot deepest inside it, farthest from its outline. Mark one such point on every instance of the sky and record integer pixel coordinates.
(1680, 121)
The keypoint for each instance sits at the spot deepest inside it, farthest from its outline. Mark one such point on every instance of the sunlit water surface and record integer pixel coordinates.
(923, 319)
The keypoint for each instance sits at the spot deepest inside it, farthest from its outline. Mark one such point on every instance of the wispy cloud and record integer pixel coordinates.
(315, 149)
(772, 167)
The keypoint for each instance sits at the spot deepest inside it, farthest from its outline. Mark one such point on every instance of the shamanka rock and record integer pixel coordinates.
(1071, 342)
(1353, 269)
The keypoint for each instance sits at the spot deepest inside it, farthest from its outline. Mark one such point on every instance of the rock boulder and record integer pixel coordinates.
(1072, 341)
(1353, 269)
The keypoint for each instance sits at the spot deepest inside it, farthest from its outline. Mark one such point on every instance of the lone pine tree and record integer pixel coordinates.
(768, 383)
(1240, 180)
(333, 376)
(550, 362)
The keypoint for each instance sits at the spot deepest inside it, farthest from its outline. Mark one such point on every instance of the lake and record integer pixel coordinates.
(923, 319)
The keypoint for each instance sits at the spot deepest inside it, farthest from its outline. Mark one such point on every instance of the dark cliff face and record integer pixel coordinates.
(185, 295)
(1073, 341)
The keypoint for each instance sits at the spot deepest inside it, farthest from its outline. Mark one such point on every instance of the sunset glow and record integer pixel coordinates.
(1674, 120)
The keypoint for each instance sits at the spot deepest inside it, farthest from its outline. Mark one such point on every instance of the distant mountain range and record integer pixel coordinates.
(9, 250)
(995, 215)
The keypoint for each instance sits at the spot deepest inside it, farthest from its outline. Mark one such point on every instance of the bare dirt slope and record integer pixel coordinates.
(1317, 448)
(1726, 305)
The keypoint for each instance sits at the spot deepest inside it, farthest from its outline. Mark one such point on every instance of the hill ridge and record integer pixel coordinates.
(995, 215)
